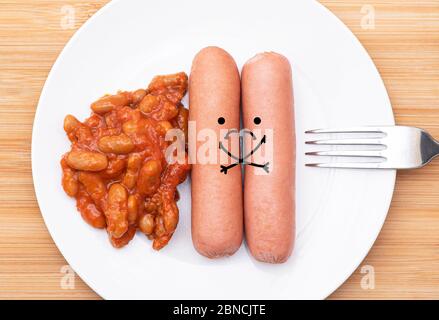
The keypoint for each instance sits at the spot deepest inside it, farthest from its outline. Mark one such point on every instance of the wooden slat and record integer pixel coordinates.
(405, 47)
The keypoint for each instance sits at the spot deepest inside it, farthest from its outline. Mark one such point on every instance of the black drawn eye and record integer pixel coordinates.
(257, 121)
(221, 120)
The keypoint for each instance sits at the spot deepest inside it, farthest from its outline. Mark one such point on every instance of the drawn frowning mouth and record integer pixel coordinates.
(242, 159)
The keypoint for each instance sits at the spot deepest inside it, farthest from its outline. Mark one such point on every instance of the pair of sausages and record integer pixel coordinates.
(266, 205)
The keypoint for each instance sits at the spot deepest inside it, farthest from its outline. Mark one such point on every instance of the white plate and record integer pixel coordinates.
(339, 213)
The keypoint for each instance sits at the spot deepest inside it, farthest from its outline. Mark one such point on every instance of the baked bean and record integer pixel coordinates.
(94, 186)
(69, 179)
(130, 127)
(175, 174)
(137, 126)
(87, 160)
(160, 242)
(149, 177)
(116, 211)
(177, 80)
(133, 166)
(159, 229)
(170, 215)
(71, 124)
(138, 96)
(89, 212)
(120, 144)
(147, 224)
(149, 103)
(83, 135)
(161, 237)
(110, 102)
(129, 180)
(151, 206)
(176, 86)
(164, 126)
(167, 112)
(115, 168)
(133, 208)
(182, 120)
(125, 239)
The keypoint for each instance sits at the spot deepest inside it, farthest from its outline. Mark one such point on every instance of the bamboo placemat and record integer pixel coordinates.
(402, 36)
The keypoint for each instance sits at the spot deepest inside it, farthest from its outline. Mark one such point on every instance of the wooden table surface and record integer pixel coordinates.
(402, 37)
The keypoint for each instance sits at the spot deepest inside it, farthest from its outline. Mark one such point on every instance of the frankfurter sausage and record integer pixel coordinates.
(269, 198)
(214, 99)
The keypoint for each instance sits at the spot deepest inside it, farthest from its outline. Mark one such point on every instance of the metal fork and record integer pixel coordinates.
(401, 148)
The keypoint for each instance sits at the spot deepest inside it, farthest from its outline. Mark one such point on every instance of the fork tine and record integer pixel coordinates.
(348, 130)
(347, 153)
(375, 142)
(349, 165)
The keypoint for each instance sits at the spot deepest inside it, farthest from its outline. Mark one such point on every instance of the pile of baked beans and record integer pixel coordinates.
(117, 169)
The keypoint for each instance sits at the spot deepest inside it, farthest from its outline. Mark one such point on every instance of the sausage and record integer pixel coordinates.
(217, 212)
(269, 198)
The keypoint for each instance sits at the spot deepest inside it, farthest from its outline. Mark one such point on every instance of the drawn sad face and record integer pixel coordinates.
(243, 158)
